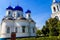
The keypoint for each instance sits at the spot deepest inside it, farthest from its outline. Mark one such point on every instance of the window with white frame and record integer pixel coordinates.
(8, 29)
(58, 8)
(33, 30)
(18, 15)
(23, 29)
(9, 12)
(16, 29)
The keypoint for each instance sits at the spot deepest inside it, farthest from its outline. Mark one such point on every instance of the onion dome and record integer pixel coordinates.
(28, 11)
(9, 8)
(18, 8)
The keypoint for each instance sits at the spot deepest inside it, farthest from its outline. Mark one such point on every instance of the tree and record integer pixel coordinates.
(51, 27)
(54, 32)
(45, 31)
(38, 32)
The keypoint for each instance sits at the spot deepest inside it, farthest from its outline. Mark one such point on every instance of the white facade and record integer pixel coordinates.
(14, 21)
(55, 7)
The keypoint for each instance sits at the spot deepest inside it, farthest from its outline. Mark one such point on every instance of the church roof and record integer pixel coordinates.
(31, 20)
(18, 8)
(22, 18)
(28, 11)
(9, 8)
(8, 18)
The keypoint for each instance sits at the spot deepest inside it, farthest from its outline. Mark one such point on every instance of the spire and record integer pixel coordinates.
(54, 1)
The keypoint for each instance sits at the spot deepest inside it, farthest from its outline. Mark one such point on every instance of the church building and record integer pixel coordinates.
(15, 21)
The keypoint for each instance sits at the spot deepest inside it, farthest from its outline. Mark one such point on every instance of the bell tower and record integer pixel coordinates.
(55, 7)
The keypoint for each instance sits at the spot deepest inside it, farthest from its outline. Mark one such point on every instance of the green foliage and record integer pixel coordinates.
(53, 27)
(54, 32)
(45, 30)
(38, 32)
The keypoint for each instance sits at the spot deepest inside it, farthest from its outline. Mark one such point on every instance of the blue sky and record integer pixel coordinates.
(41, 9)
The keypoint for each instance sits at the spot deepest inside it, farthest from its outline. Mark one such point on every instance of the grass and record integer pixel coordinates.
(41, 38)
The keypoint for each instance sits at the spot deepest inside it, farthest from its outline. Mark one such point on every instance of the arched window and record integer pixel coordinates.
(8, 29)
(23, 29)
(16, 29)
(54, 9)
(9, 12)
(29, 15)
(18, 15)
(57, 8)
(33, 30)
(14, 15)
